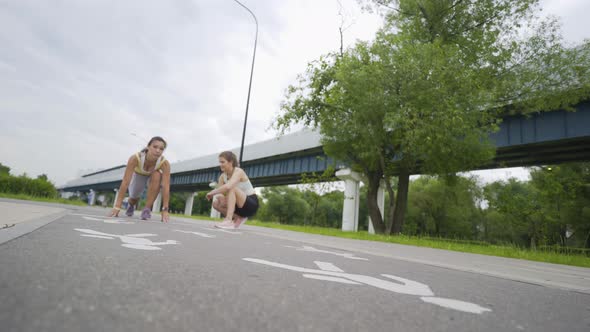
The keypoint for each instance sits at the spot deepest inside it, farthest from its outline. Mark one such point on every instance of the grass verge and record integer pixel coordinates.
(484, 249)
(42, 199)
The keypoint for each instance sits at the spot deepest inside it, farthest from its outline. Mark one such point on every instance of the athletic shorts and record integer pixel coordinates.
(138, 184)
(250, 207)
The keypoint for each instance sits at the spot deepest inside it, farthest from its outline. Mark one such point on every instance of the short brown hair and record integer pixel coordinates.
(231, 157)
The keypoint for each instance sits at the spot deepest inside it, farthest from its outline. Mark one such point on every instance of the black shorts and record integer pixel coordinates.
(250, 207)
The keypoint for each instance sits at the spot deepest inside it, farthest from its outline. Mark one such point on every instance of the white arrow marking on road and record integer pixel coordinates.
(312, 249)
(456, 304)
(408, 287)
(327, 272)
(328, 267)
(98, 236)
(196, 233)
(327, 278)
(133, 241)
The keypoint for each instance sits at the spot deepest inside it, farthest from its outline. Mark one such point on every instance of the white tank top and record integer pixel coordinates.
(245, 186)
(141, 162)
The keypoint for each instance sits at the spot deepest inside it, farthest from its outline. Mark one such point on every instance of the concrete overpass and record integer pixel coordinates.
(536, 139)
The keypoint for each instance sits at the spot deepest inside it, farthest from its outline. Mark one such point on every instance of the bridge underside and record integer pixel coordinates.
(289, 170)
(537, 139)
(568, 150)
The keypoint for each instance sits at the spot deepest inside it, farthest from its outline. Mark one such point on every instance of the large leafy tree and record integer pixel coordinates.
(426, 93)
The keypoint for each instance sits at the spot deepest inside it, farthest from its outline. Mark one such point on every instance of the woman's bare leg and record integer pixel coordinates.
(132, 201)
(220, 204)
(234, 197)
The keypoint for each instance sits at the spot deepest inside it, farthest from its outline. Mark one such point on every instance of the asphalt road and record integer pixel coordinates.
(85, 272)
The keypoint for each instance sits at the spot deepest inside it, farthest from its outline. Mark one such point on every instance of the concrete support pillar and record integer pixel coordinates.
(157, 204)
(188, 207)
(350, 209)
(380, 204)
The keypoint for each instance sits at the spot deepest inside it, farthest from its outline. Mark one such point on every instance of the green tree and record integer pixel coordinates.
(201, 205)
(520, 205)
(4, 170)
(445, 207)
(285, 205)
(43, 177)
(564, 199)
(426, 93)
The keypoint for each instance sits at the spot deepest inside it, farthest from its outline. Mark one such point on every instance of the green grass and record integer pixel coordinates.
(466, 246)
(42, 199)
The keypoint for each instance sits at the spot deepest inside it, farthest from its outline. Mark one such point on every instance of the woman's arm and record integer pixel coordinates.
(131, 164)
(225, 187)
(165, 190)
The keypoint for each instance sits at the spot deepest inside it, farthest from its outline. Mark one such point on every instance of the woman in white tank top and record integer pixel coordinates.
(234, 196)
(146, 168)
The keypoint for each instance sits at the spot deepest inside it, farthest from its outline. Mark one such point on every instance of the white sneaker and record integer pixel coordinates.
(240, 221)
(224, 224)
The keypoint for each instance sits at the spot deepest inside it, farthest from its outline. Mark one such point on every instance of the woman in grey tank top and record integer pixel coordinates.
(234, 196)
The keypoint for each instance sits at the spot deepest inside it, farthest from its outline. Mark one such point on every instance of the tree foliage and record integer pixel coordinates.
(425, 94)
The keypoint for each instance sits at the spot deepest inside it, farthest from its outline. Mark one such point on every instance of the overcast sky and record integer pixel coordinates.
(78, 77)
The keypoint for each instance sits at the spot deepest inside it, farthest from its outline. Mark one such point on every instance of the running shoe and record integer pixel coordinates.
(146, 213)
(130, 210)
(224, 224)
(240, 221)
(228, 226)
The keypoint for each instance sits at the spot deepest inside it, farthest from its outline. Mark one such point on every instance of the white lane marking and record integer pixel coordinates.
(115, 221)
(456, 304)
(91, 215)
(91, 218)
(401, 286)
(129, 240)
(327, 278)
(312, 249)
(108, 221)
(141, 247)
(196, 233)
(221, 230)
(328, 266)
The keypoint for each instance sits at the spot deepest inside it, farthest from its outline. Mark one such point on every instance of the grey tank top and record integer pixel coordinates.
(245, 186)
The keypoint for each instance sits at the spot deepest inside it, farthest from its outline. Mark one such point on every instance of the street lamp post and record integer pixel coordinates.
(250, 84)
(139, 138)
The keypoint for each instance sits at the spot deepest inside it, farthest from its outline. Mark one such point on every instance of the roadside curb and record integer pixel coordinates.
(23, 228)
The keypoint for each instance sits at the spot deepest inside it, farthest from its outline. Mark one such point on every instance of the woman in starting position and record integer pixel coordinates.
(146, 168)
